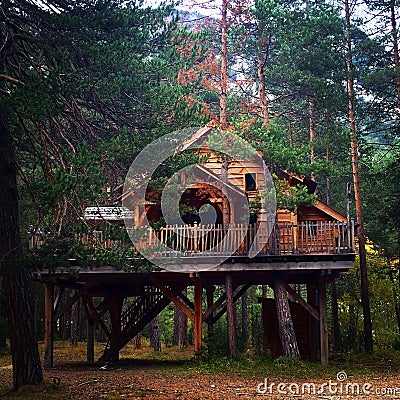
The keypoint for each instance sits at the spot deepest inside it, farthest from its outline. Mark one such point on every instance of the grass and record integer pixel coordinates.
(181, 362)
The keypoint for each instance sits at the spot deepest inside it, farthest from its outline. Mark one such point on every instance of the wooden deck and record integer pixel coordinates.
(306, 245)
(307, 237)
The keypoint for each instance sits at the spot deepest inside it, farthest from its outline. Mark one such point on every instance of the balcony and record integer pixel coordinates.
(308, 237)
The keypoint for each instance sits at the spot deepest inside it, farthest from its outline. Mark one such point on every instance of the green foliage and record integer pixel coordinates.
(382, 297)
(290, 197)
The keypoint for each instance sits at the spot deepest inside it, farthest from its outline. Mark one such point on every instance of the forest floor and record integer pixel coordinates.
(173, 374)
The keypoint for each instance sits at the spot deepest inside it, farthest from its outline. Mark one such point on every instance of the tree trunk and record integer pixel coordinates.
(368, 340)
(137, 341)
(328, 182)
(245, 322)
(16, 279)
(224, 69)
(230, 316)
(180, 328)
(64, 317)
(155, 340)
(396, 57)
(286, 330)
(75, 324)
(394, 291)
(311, 109)
(262, 45)
(335, 318)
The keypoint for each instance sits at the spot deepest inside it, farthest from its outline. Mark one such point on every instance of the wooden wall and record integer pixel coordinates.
(304, 327)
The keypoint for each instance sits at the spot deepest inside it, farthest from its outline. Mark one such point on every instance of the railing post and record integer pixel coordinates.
(195, 247)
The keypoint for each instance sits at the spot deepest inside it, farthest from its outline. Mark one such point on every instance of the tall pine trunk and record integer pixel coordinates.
(16, 279)
(154, 332)
(230, 317)
(396, 57)
(245, 322)
(289, 344)
(180, 337)
(368, 340)
(224, 68)
(75, 324)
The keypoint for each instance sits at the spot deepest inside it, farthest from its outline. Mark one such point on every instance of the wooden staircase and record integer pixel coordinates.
(135, 317)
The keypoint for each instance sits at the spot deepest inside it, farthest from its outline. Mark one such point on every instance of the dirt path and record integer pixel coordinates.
(169, 375)
(138, 382)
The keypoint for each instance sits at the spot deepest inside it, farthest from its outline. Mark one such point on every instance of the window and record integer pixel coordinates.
(250, 182)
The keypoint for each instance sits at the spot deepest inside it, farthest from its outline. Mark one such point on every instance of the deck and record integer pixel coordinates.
(185, 248)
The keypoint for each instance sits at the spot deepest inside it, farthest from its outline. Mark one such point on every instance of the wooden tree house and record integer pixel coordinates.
(309, 247)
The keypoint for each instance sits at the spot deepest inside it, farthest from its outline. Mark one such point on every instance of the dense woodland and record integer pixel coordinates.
(85, 86)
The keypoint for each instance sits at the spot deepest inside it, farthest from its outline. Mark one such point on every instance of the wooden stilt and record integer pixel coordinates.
(313, 326)
(90, 336)
(323, 322)
(48, 324)
(230, 316)
(198, 314)
(115, 318)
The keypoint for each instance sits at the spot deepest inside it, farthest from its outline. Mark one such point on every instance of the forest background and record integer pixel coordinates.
(85, 86)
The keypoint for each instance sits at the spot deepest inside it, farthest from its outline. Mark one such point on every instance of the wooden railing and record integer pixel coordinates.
(309, 237)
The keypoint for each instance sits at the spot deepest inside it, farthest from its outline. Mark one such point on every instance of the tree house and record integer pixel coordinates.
(211, 246)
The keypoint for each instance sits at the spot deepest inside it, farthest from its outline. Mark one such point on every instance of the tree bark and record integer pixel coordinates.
(180, 338)
(368, 339)
(75, 324)
(245, 322)
(16, 278)
(262, 46)
(396, 57)
(137, 341)
(224, 69)
(230, 316)
(335, 318)
(155, 340)
(311, 109)
(286, 331)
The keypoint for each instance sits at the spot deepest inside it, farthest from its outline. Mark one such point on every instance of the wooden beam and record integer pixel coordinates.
(115, 319)
(303, 303)
(70, 301)
(94, 314)
(313, 328)
(90, 340)
(323, 322)
(198, 314)
(57, 301)
(48, 324)
(236, 297)
(172, 297)
(208, 314)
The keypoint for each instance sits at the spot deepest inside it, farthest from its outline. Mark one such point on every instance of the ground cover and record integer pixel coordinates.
(174, 374)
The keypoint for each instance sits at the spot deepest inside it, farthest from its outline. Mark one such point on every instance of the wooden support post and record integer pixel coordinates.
(313, 331)
(48, 324)
(323, 322)
(115, 319)
(198, 313)
(286, 330)
(90, 334)
(230, 316)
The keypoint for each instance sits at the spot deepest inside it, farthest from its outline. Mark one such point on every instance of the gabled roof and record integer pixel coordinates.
(216, 180)
(330, 211)
(199, 134)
